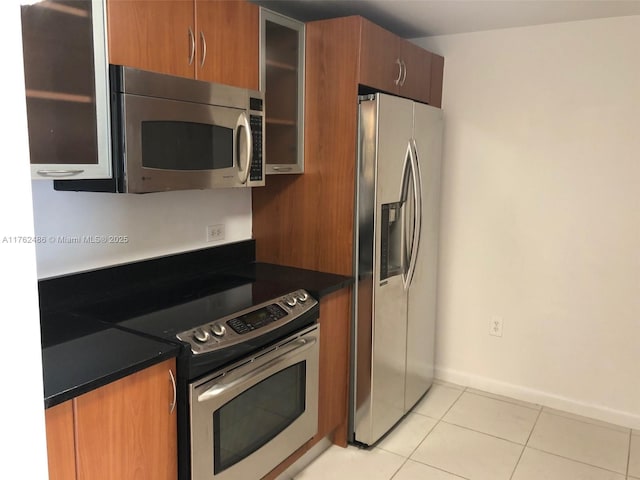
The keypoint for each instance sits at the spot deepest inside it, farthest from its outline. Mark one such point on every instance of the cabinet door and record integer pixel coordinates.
(227, 36)
(155, 35)
(60, 442)
(416, 78)
(282, 80)
(67, 97)
(380, 63)
(437, 73)
(333, 394)
(127, 429)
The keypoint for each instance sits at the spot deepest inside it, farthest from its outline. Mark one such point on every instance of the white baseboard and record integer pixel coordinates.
(546, 399)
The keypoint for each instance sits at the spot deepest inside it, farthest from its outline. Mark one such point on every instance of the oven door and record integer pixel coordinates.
(249, 418)
(175, 145)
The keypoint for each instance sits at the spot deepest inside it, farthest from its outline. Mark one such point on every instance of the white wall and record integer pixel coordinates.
(21, 396)
(541, 214)
(155, 224)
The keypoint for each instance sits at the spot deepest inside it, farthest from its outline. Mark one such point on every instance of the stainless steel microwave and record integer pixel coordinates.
(174, 133)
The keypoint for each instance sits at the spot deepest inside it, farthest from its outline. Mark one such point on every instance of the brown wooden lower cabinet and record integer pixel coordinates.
(125, 430)
(60, 441)
(335, 312)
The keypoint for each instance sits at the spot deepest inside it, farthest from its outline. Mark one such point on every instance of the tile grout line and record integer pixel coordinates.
(439, 469)
(576, 461)
(484, 433)
(399, 468)
(438, 420)
(526, 443)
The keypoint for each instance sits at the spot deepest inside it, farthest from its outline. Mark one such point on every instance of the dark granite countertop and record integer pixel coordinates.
(318, 284)
(80, 354)
(83, 351)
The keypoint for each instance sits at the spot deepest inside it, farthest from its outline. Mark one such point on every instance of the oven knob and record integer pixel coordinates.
(201, 335)
(218, 330)
(289, 300)
(302, 296)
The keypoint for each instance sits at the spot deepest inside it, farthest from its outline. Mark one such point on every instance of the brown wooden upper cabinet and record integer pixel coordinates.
(67, 92)
(216, 41)
(394, 65)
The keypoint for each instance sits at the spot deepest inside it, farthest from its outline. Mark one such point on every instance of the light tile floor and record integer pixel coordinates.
(457, 432)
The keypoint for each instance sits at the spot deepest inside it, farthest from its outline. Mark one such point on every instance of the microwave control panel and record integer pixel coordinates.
(256, 172)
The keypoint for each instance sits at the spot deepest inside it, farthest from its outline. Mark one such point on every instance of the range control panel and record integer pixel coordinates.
(249, 323)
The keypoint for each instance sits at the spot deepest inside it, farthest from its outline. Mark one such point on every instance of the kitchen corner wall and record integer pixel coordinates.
(541, 214)
(154, 224)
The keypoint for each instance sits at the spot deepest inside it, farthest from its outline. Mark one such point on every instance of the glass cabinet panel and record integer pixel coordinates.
(66, 84)
(282, 80)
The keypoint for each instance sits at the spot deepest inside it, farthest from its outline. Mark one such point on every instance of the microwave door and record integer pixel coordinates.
(174, 145)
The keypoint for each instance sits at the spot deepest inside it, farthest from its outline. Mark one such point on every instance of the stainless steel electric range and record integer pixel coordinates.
(247, 380)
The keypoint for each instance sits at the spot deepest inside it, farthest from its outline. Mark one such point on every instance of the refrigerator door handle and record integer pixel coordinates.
(406, 171)
(417, 211)
(404, 197)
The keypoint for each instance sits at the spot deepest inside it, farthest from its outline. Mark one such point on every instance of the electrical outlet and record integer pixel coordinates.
(495, 326)
(215, 233)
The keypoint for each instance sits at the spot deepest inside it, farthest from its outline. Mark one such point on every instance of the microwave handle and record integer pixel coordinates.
(243, 124)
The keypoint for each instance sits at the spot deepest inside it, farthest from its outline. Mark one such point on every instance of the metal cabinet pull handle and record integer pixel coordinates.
(192, 41)
(397, 80)
(204, 49)
(173, 383)
(404, 73)
(59, 173)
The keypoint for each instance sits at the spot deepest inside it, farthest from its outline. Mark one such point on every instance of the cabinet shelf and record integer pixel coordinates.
(64, 97)
(280, 65)
(281, 121)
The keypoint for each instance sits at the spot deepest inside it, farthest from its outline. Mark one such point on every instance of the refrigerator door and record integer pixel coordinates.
(427, 144)
(386, 125)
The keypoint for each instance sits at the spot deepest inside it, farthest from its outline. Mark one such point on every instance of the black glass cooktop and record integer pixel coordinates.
(165, 311)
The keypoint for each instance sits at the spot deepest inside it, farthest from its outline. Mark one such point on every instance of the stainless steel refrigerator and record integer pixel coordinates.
(398, 199)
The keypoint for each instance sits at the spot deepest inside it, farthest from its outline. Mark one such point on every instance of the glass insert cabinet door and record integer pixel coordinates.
(282, 80)
(66, 83)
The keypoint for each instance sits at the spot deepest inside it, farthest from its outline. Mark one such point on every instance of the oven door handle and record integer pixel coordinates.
(284, 354)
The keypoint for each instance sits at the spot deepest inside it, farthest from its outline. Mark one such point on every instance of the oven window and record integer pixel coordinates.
(257, 415)
(171, 145)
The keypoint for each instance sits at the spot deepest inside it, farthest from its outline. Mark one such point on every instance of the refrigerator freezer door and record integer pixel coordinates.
(386, 124)
(422, 292)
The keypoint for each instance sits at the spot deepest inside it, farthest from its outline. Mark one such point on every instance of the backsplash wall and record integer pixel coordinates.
(82, 231)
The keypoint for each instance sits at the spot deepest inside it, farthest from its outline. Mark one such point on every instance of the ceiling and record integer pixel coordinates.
(422, 18)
